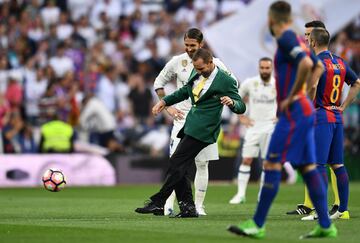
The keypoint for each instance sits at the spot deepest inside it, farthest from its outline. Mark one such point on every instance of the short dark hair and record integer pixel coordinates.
(280, 11)
(194, 33)
(203, 54)
(321, 36)
(265, 59)
(315, 24)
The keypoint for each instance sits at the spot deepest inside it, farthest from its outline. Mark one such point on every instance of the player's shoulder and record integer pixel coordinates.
(226, 75)
(289, 36)
(217, 61)
(338, 57)
(179, 58)
(251, 80)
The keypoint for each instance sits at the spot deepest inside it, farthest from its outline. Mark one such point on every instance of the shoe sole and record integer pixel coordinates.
(236, 230)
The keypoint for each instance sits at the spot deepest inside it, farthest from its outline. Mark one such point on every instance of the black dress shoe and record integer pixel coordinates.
(151, 207)
(187, 210)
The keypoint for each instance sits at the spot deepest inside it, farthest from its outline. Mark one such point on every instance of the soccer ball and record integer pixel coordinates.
(53, 180)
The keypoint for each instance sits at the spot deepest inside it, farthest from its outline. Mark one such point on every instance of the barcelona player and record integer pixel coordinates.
(293, 137)
(307, 206)
(329, 124)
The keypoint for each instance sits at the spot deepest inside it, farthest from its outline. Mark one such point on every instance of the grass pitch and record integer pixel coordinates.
(107, 215)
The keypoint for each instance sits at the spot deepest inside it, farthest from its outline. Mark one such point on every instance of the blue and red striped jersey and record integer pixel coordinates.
(329, 89)
(291, 49)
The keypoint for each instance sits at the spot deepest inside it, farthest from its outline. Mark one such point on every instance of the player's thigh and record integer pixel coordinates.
(251, 145)
(301, 146)
(278, 141)
(323, 138)
(174, 140)
(264, 143)
(210, 152)
(336, 151)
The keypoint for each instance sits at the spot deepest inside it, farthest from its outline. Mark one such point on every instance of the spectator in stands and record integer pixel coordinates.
(61, 63)
(48, 102)
(4, 111)
(140, 97)
(34, 90)
(106, 90)
(14, 91)
(100, 122)
(17, 136)
(50, 14)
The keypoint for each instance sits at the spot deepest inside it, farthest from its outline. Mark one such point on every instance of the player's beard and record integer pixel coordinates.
(265, 76)
(206, 74)
(190, 54)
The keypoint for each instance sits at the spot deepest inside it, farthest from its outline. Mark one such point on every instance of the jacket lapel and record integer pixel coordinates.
(213, 84)
(193, 76)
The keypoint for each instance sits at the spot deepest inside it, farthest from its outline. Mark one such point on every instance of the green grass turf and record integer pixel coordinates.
(107, 215)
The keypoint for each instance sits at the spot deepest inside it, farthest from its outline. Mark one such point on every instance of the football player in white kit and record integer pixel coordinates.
(260, 121)
(179, 68)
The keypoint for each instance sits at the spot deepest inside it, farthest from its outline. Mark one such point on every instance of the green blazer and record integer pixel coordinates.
(204, 118)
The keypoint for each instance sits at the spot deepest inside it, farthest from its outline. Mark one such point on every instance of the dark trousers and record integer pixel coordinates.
(177, 175)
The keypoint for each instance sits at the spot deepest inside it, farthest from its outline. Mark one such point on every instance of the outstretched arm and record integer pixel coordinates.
(176, 97)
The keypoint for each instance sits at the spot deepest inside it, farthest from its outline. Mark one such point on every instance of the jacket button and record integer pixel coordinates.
(194, 105)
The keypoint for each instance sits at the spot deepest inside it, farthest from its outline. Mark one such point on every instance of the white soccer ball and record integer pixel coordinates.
(53, 180)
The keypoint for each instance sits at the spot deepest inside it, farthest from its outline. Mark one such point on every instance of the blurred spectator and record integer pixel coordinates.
(111, 8)
(17, 136)
(140, 97)
(48, 102)
(14, 91)
(65, 93)
(64, 29)
(79, 8)
(4, 73)
(106, 90)
(100, 122)
(33, 8)
(36, 30)
(34, 90)
(61, 63)
(50, 14)
(86, 31)
(4, 111)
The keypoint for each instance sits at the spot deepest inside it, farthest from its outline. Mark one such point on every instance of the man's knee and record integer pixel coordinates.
(202, 164)
(336, 166)
(247, 161)
(307, 168)
(272, 166)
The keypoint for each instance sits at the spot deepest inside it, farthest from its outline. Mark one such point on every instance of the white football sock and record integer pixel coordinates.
(243, 179)
(262, 178)
(291, 173)
(169, 204)
(201, 181)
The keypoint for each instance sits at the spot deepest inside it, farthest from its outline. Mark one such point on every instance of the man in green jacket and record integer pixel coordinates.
(209, 89)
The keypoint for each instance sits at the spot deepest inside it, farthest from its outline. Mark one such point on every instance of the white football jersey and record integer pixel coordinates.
(179, 68)
(262, 103)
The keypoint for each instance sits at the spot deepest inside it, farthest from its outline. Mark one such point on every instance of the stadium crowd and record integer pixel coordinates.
(92, 64)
